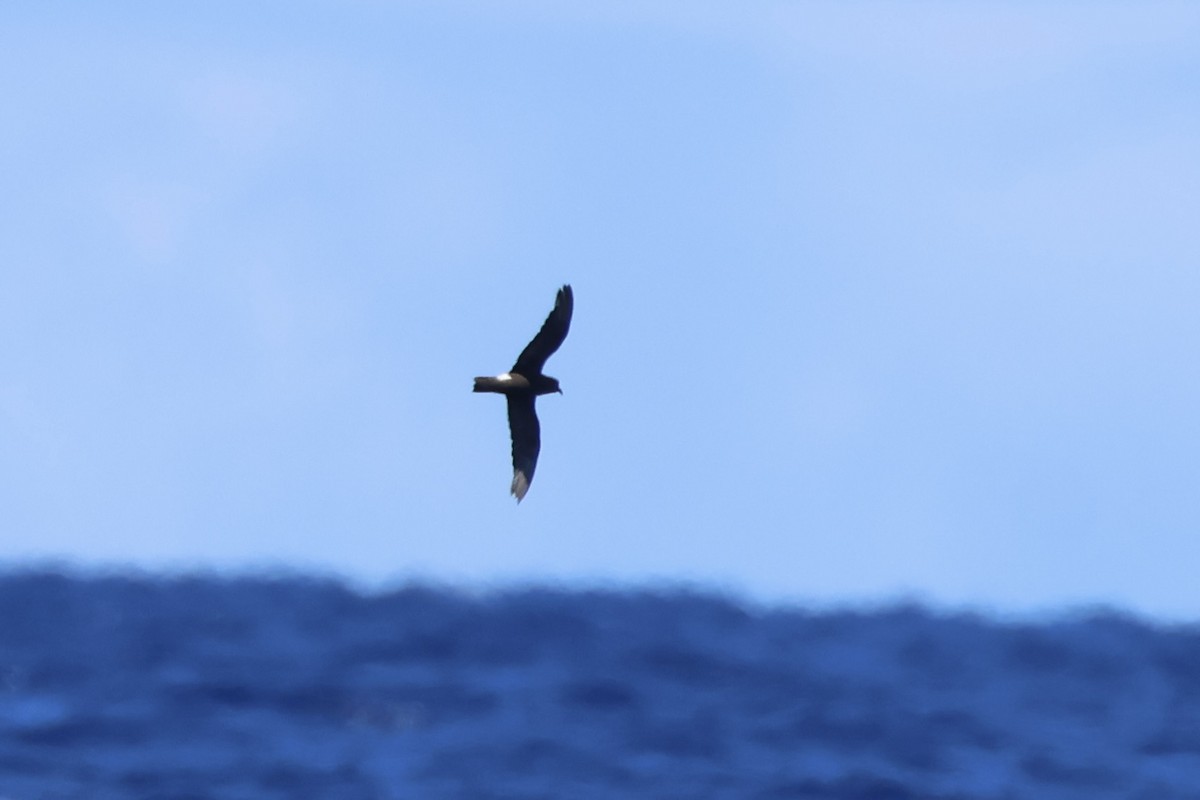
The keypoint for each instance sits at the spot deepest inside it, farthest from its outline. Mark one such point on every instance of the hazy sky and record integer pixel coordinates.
(873, 299)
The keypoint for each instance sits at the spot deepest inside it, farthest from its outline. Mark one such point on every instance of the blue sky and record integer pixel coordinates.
(872, 300)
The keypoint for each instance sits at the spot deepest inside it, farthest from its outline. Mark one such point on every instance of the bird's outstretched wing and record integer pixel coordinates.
(548, 339)
(526, 440)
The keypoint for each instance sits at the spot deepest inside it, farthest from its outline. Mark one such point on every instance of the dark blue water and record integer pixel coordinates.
(254, 688)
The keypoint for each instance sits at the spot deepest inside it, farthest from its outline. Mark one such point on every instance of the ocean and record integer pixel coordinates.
(204, 686)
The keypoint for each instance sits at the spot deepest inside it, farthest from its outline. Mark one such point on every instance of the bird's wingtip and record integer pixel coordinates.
(520, 485)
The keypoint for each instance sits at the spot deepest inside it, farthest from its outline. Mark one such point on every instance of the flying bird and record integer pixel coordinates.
(521, 386)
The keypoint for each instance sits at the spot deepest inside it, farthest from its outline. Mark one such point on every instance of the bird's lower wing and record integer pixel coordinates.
(526, 441)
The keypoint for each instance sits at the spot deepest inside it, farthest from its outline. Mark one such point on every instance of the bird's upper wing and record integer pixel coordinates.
(526, 440)
(548, 339)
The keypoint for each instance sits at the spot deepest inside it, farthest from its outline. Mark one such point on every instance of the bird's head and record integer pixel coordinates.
(548, 385)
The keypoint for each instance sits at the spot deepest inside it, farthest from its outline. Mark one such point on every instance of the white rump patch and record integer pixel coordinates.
(507, 376)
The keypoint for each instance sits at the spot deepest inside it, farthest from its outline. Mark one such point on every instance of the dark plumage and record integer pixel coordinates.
(521, 386)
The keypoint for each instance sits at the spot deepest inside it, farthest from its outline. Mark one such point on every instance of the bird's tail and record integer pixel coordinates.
(488, 385)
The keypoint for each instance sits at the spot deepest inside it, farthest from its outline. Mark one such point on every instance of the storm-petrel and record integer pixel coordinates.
(523, 383)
